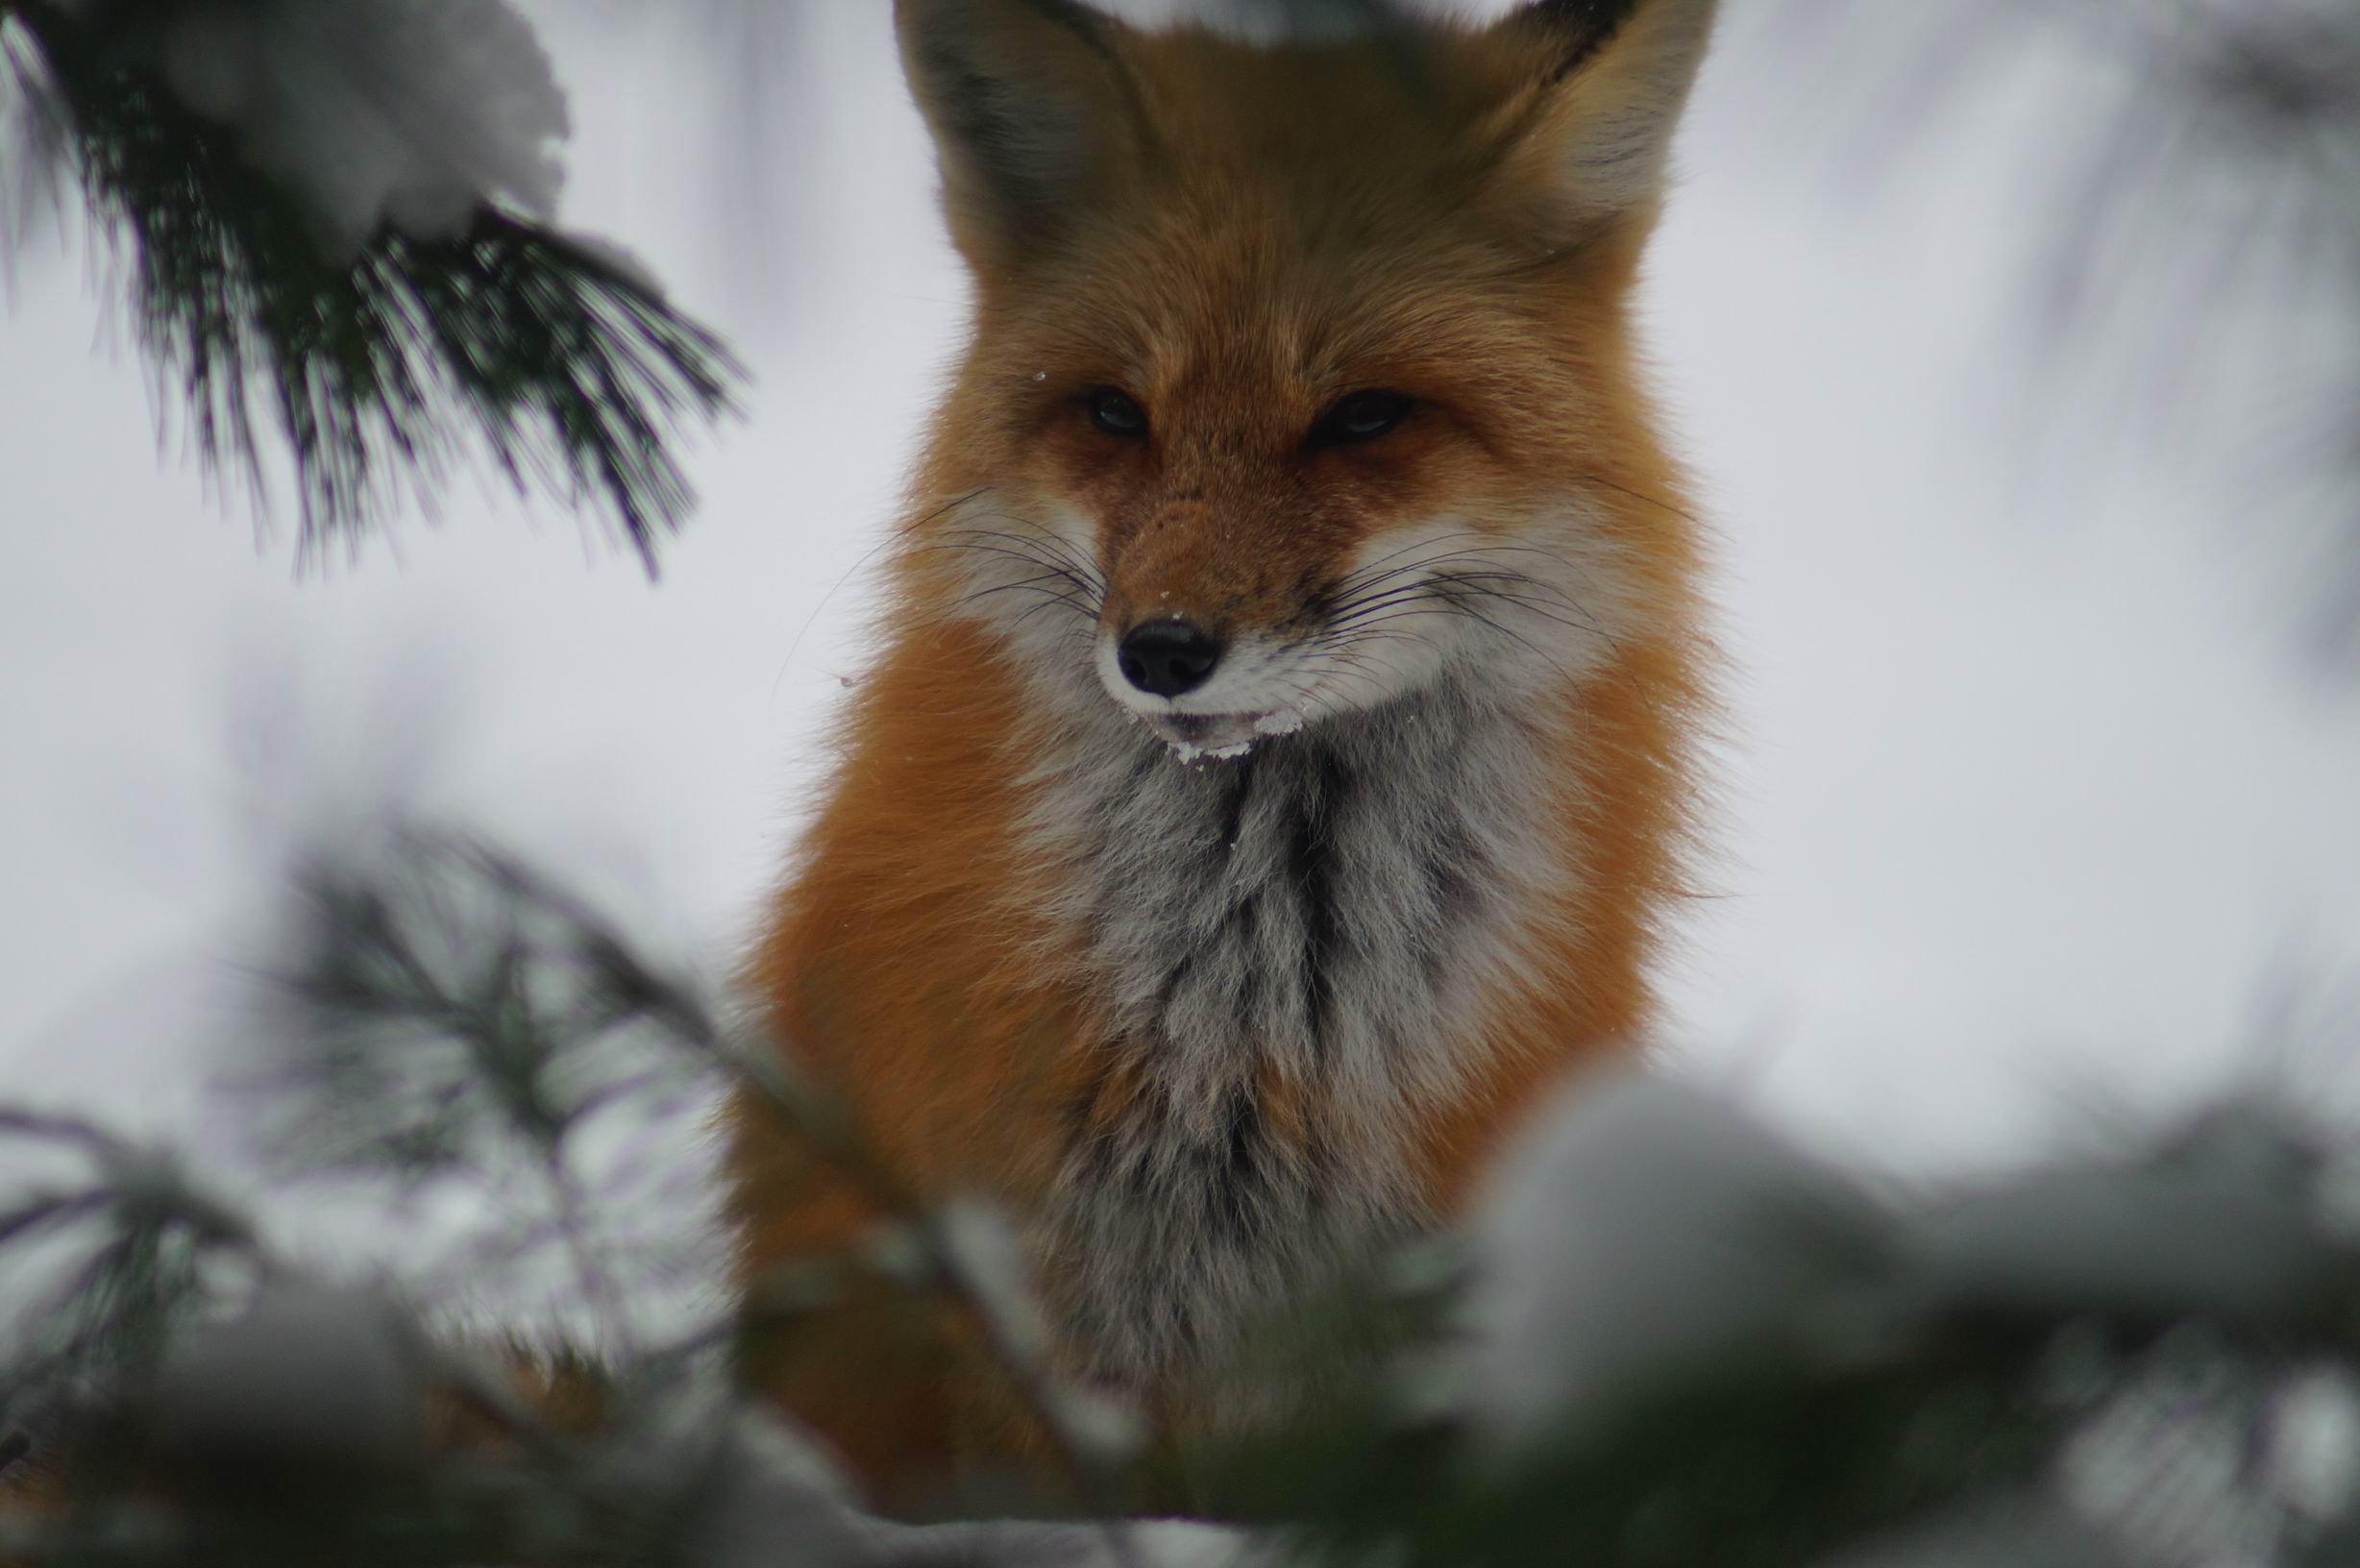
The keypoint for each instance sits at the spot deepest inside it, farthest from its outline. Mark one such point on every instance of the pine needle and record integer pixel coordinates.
(383, 372)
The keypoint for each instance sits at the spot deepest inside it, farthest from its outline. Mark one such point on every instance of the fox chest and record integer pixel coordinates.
(1289, 949)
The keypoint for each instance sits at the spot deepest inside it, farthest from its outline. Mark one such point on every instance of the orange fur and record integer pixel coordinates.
(1259, 231)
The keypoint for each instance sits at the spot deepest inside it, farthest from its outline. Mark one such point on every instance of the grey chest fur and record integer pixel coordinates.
(1292, 946)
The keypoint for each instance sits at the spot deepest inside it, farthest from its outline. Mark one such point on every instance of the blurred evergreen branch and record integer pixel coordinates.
(2147, 1360)
(2194, 185)
(382, 370)
(123, 1241)
(452, 1011)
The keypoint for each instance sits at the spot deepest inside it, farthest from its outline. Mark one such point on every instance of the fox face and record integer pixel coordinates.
(1300, 380)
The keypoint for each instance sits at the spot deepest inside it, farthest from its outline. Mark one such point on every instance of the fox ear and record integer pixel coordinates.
(1611, 79)
(1030, 105)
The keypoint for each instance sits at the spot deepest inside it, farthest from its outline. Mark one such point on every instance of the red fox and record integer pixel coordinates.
(1275, 768)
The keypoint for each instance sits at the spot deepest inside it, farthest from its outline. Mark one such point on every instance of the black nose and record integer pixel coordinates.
(1167, 657)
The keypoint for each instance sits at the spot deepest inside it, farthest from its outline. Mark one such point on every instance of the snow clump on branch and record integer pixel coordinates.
(407, 113)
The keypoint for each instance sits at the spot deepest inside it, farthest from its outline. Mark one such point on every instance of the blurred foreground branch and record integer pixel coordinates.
(1667, 1335)
(2191, 172)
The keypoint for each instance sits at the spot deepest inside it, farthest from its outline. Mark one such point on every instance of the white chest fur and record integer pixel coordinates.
(1323, 919)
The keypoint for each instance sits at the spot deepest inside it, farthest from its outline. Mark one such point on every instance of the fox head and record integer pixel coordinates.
(1300, 377)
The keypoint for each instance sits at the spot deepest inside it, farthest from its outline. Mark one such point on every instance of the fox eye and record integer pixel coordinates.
(1363, 416)
(1117, 414)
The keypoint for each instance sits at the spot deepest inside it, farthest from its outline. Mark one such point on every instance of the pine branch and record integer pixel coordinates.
(446, 1009)
(381, 371)
(539, 981)
(1667, 1335)
(2193, 288)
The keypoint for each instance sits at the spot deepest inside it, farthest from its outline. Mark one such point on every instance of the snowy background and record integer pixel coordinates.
(2029, 806)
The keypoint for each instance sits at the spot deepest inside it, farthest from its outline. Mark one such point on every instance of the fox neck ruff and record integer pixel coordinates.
(1293, 952)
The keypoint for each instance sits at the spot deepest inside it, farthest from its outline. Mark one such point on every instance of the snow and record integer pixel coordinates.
(981, 1248)
(330, 1378)
(757, 1492)
(1189, 755)
(1282, 722)
(2311, 1446)
(742, 1482)
(2220, 1221)
(1151, 1544)
(1650, 1232)
(404, 112)
(1651, 1237)
(2163, 1468)
(2177, 1467)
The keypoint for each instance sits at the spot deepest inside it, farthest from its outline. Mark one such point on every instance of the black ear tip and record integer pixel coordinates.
(1584, 14)
(1579, 29)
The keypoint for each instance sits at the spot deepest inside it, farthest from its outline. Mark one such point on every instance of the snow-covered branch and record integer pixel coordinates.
(1666, 1335)
(344, 212)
